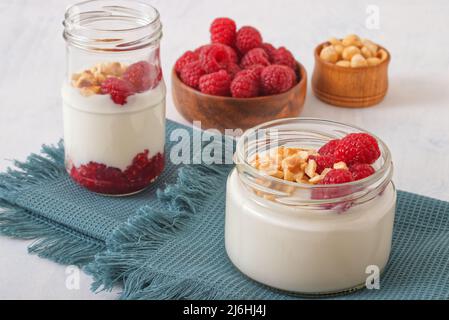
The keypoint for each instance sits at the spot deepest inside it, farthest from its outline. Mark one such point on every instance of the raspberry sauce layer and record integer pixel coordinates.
(100, 178)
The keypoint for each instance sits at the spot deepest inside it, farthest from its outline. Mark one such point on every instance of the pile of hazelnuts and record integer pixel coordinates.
(353, 52)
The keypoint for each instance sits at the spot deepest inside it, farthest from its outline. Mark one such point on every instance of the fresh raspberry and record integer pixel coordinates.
(245, 85)
(199, 49)
(323, 162)
(233, 57)
(284, 57)
(214, 57)
(357, 148)
(337, 176)
(233, 69)
(191, 74)
(255, 56)
(253, 72)
(223, 30)
(143, 75)
(361, 170)
(100, 178)
(269, 49)
(186, 58)
(118, 89)
(248, 38)
(329, 148)
(276, 79)
(217, 83)
(257, 69)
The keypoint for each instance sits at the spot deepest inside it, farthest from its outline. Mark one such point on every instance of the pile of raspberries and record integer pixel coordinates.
(237, 63)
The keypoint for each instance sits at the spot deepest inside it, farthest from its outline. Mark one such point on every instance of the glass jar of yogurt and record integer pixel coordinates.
(113, 96)
(288, 235)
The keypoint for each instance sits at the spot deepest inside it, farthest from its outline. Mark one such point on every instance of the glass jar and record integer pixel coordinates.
(113, 96)
(309, 239)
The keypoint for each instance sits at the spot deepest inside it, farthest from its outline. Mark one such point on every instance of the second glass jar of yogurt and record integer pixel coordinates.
(113, 96)
(307, 238)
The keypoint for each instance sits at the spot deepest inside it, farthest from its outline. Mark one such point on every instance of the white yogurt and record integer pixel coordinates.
(96, 129)
(307, 251)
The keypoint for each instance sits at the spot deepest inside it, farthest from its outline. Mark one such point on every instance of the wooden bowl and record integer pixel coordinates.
(222, 113)
(349, 87)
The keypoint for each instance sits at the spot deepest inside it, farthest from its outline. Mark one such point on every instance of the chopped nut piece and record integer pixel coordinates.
(75, 77)
(86, 79)
(292, 163)
(290, 151)
(325, 171)
(303, 155)
(278, 174)
(111, 69)
(340, 165)
(89, 91)
(288, 175)
(311, 168)
(316, 179)
(299, 177)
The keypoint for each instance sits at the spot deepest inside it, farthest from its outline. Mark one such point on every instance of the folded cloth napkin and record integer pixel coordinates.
(168, 241)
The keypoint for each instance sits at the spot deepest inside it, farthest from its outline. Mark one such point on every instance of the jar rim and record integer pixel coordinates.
(142, 34)
(69, 14)
(243, 162)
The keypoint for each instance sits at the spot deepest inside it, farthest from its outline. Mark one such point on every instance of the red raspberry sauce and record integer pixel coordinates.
(98, 177)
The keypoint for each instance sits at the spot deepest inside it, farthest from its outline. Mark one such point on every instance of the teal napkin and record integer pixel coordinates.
(168, 243)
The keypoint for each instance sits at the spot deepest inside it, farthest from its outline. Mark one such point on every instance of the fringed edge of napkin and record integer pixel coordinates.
(53, 242)
(131, 246)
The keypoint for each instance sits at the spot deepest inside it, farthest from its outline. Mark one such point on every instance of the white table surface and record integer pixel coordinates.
(413, 120)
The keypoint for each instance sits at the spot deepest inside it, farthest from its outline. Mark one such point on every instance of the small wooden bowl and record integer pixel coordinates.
(349, 87)
(222, 113)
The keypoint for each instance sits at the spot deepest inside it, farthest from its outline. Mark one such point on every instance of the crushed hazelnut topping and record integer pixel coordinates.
(340, 165)
(292, 164)
(89, 81)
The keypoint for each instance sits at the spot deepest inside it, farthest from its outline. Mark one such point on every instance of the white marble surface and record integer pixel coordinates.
(413, 120)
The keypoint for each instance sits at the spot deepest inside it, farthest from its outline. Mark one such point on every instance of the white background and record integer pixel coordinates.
(413, 120)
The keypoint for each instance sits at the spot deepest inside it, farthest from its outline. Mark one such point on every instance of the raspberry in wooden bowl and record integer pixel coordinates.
(237, 81)
(350, 72)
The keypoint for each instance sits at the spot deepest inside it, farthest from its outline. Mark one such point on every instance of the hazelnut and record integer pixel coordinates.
(366, 52)
(382, 54)
(334, 41)
(329, 54)
(352, 40)
(349, 52)
(339, 48)
(358, 61)
(344, 63)
(373, 61)
(370, 45)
